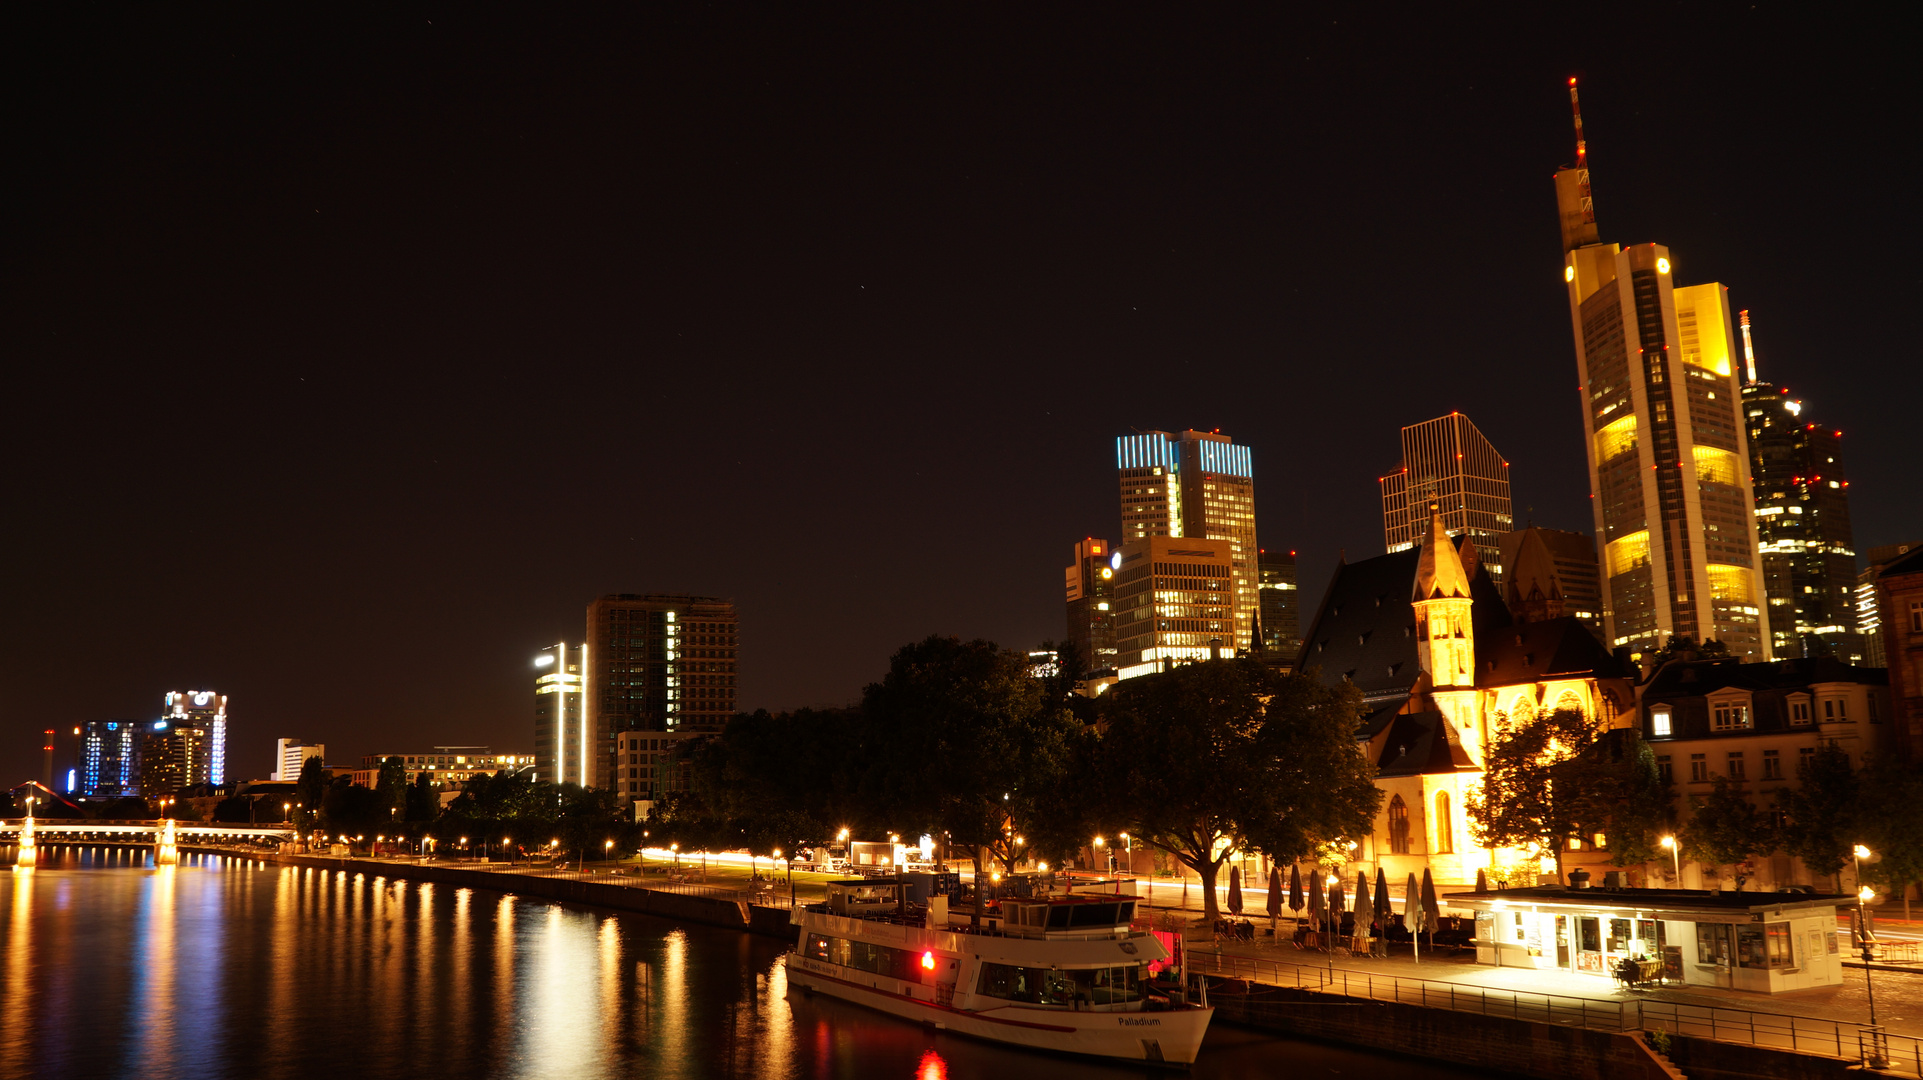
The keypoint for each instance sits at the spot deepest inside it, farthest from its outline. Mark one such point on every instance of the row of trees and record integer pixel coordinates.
(1557, 777)
(960, 740)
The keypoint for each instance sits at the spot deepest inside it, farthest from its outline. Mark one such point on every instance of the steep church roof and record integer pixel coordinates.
(1439, 570)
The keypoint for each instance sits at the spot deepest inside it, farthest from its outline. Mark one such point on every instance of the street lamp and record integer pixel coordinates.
(1677, 853)
(1876, 1055)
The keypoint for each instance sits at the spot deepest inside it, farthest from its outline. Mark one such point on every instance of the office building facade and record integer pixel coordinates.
(562, 737)
(1897, 588)
(1802, 526)
(1448, 467)
(1174, 603)
(1279, 605)
(109, 765)
(1090, 589)
(1667, 450)
(290, 757)
(656, 662)
(1198, 485)
(1869, 614)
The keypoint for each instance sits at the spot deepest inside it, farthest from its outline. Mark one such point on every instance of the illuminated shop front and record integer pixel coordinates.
(1765, 942)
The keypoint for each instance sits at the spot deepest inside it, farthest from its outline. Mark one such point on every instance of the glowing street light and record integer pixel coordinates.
(1676, 852)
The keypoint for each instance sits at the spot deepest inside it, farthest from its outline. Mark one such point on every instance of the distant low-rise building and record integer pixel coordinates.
(447, 768)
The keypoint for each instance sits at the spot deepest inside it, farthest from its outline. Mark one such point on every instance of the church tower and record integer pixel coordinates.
(1445, 636)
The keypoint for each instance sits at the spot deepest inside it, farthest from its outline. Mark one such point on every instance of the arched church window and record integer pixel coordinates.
(1398, 826)
(1569, 703)
(1445, 825)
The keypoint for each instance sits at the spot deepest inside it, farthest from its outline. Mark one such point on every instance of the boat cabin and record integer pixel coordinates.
(1067, 917)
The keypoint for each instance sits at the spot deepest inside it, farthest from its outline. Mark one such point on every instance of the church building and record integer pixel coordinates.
(1442, 665)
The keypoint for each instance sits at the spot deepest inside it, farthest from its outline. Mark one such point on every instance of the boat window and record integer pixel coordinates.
(1049, 986)
(1058, 917)
(819, 948)
(1092, 915)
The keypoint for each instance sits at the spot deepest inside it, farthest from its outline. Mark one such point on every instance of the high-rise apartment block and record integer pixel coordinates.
(1197, 485)
(109, 763)
(1174, 601)
(1090, 582)
(1668, 453)
(1448, 467)
(1552, 574)
(561, 736)
(1897, 588)
(655, 663)
(290, 757)
(1279, 603)
(1802, 524)
(202, 709)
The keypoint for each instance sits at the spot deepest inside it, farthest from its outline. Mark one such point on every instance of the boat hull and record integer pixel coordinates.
(1170, 1037)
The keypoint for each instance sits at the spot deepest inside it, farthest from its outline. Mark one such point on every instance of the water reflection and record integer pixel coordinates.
(224, 967)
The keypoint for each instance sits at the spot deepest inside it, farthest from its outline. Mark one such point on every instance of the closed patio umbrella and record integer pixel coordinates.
(1412, 915)
(1384, 911)
(1315, 905)
(1235, 890)
(1295, 887)
(1431, 911)
(1361, 908)
(1275, 896)
(1337, 904)
(1482, 881)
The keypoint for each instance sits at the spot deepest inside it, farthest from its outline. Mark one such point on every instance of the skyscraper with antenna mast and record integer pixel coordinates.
(1804, 536)
(1667, 450)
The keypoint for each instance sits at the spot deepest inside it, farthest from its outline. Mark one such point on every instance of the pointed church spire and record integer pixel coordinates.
(1439, 573)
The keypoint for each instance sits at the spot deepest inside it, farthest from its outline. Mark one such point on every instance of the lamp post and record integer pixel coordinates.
(1676, 852)
(1876, 1054)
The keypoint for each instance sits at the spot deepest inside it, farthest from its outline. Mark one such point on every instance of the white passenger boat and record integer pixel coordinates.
(1062, 973)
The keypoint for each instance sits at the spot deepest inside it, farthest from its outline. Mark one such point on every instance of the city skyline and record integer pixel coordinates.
(368, 354)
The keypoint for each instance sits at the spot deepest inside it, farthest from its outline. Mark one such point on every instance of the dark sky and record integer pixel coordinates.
(349, 355)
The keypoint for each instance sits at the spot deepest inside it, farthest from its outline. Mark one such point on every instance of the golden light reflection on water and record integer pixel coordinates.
(157, 1017)
(19, 960)
(557, 1039)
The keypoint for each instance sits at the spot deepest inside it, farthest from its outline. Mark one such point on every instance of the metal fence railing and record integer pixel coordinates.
(1576, 1011)
(1898, 1054)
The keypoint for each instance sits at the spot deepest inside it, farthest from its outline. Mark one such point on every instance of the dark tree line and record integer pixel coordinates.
(962, 741)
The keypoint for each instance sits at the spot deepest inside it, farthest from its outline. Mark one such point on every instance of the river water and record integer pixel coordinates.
(225, 967)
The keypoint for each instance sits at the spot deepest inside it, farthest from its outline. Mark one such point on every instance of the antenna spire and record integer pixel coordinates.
(1582, 157)
(1749, 353)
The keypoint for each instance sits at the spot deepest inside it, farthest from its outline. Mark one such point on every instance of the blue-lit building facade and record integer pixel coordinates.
(184, 746)
(1198, 485)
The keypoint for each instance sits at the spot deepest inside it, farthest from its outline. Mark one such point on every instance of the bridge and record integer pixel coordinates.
(69, 830)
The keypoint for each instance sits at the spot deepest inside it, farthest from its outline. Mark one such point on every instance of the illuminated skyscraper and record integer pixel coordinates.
(1090, 582)
(108, 759)
(660, 662)
(1802, 524)
(202, 709)
(1198, 485)
(1668, 455)
(560, 738)
(1448, 467)
(1172, 603)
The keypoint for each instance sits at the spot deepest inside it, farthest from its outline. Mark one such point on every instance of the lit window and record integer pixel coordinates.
(1729, 716)
(1659, 722)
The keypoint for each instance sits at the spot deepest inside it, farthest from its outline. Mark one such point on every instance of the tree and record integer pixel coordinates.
(1613, 787)
(960, 744)
(392, 785)
(1890, 809)
(1214, 757)
(423, 802)
(1820, 812)
(311, 788)
(1523, 803)
(1725, 830)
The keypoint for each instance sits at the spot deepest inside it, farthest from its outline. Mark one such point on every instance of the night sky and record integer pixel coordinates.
(350, 355)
